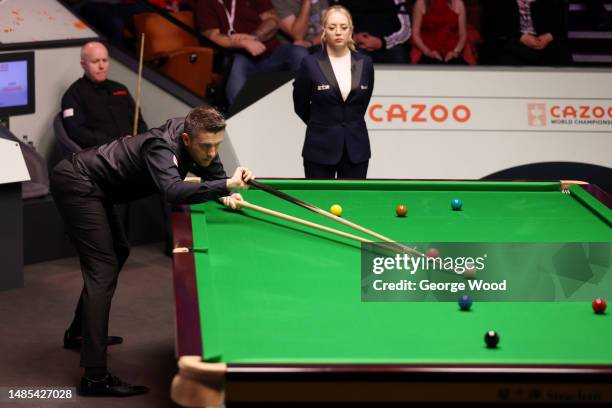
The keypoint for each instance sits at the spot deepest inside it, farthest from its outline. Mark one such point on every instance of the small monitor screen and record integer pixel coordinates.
(16, 84)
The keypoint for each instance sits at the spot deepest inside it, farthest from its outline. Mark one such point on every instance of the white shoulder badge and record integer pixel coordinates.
(68, 112)
(175, 160)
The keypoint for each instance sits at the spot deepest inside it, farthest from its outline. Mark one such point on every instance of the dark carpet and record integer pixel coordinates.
(33, 320)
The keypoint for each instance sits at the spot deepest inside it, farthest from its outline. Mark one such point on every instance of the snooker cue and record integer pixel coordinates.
(329, 215)
(297, 220)
(244, 203)
(138, 85)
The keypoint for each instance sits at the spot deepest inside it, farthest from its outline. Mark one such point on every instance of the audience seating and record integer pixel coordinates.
(174, 51)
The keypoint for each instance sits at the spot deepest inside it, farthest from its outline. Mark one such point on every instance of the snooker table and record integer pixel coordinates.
(268, 311)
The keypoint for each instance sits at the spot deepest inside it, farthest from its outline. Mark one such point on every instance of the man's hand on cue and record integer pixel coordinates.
(247, 175)
(240, 178)
(232, 201)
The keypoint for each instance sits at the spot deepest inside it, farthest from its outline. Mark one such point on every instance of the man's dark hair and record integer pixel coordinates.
(203, 119)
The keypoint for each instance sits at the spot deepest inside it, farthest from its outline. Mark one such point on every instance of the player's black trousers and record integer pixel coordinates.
(99, 238)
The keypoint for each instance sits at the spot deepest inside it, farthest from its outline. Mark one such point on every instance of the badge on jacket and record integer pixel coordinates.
(322, 87)
(364, 87)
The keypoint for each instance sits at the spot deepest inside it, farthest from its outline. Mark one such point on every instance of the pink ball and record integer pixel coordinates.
(432, 253)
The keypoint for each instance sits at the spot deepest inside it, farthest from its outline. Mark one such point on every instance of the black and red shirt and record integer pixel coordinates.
(95, 113)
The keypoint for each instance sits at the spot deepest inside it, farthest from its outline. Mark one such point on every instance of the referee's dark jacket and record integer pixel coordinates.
(333, 123)
(95, 113)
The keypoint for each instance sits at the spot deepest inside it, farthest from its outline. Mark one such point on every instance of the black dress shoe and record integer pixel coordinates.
(109, 386)
(75, 342)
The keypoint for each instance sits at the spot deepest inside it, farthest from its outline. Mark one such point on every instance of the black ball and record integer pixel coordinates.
(491, 338)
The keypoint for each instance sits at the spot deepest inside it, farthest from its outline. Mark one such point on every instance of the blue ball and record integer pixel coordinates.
(456, 204)
(465, 302)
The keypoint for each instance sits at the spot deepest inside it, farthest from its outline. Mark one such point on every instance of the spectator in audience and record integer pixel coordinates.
(95, 109)
(598, 15)
(526, 32)
(382, 28)
(440, 33)
(168, 5)
(114, 17)
(301, 20)
(331, 94)
(248, 28)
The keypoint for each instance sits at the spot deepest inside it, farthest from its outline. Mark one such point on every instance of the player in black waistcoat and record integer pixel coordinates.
(85, 189)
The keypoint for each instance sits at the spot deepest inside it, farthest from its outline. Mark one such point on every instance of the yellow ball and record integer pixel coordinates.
(336, 210)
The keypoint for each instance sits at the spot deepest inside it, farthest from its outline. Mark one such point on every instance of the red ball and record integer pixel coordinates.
(599, 306)
(432, 253)
(401, 210)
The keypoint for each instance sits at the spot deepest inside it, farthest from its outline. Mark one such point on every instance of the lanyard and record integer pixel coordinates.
(230, 16)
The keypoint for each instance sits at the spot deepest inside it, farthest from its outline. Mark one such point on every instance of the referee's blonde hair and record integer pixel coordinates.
(338, 9)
